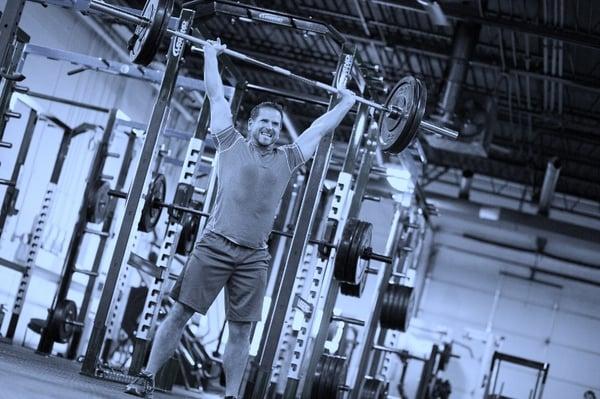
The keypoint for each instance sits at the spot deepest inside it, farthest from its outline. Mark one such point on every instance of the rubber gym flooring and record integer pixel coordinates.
(25, 375)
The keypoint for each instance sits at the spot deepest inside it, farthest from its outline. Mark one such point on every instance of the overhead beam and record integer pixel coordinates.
(463, 12)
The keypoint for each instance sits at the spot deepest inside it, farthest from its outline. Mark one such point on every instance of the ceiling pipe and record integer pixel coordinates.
(466, 35)
(549, 185)
(465, 184)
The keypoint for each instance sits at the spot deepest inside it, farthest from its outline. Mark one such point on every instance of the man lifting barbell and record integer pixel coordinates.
(232, 253)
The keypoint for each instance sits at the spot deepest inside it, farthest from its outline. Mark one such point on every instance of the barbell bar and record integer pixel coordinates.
(393, 112)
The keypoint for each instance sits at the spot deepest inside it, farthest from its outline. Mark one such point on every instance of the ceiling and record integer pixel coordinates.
(539, 60)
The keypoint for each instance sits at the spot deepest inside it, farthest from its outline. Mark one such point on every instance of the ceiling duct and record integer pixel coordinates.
(549, 186)
(473, 117)
(466, 35)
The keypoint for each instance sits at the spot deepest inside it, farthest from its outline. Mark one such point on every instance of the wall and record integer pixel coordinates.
(66, 30)
(468, 299)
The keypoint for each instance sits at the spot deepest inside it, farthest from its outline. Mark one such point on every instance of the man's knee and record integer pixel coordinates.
(240, 330)
(180, 313)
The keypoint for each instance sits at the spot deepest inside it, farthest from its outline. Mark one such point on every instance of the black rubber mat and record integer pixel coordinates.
(26, 375)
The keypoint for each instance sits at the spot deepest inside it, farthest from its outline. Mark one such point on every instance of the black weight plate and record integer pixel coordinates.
(400, 305)
(421, 105)
(341, 256)
(373, 389)
(395, 305)
(97, 204)
(405, 301)
(151, 212)
(410, 293)
(65, 311)
(341, 373)
(321, 382)
(189, 233)
(146, 39)
(389, 323)
(385, 305)
(366, 236)
(396, 134)
(353, 256)
(316, 386)
(354, 290)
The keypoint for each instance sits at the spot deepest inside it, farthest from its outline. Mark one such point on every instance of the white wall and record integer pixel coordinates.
(468, 299)
(66, 30)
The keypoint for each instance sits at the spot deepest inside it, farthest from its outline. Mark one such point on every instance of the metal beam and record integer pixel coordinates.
(463, 12)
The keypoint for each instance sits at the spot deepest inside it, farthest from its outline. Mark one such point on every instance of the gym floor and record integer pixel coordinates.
(31, 376)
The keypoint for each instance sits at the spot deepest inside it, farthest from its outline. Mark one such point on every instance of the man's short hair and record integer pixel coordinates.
(265, 104)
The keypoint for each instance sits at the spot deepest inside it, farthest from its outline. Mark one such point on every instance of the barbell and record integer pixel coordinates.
(401, 115)
(353, 252)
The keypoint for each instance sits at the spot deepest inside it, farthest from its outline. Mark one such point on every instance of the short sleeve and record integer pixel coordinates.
(226, 138)
(293, 155)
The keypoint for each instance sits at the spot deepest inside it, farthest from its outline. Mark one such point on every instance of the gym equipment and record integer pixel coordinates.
(189, 233)
(97, 203)
(496, 382)
(63, 322)
(398, 302)
(374, 388)
(396, 134)
(330, 377)
(354, 251)
(150, 212)
(402, 112)
(445, 356)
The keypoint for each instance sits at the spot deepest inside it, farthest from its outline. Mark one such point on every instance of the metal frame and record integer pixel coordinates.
(39, 225)
(104, 236)
(498, 358)
(133, 206)
(330, 288)
(12, 192)
(274, 324)
(384, 273)
(47, 339)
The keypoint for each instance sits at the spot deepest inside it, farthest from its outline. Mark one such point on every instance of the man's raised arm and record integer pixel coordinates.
(309, 140)
(220, 113)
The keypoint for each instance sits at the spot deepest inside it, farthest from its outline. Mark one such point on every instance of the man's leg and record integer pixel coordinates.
(236, 355)
(165, 342)
(168, 335)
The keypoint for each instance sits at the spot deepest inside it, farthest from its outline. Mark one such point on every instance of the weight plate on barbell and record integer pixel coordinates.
(340, 271)
(60, 327)
(397, 306)
(145, 41)
(397, 133)
(189, 233)
(366, 235)
(97, 203)
(374, 388)
(421, 105)
(151, 211)
(354, 290)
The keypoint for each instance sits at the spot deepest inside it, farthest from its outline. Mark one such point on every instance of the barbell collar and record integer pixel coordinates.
(443, 131)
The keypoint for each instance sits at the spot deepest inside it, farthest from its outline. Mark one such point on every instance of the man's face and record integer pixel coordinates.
(266, 127)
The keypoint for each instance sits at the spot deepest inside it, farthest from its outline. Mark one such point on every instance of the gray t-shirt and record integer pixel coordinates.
(251, 182)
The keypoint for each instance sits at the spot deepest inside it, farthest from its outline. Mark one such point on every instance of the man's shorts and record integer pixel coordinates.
(217, 262)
